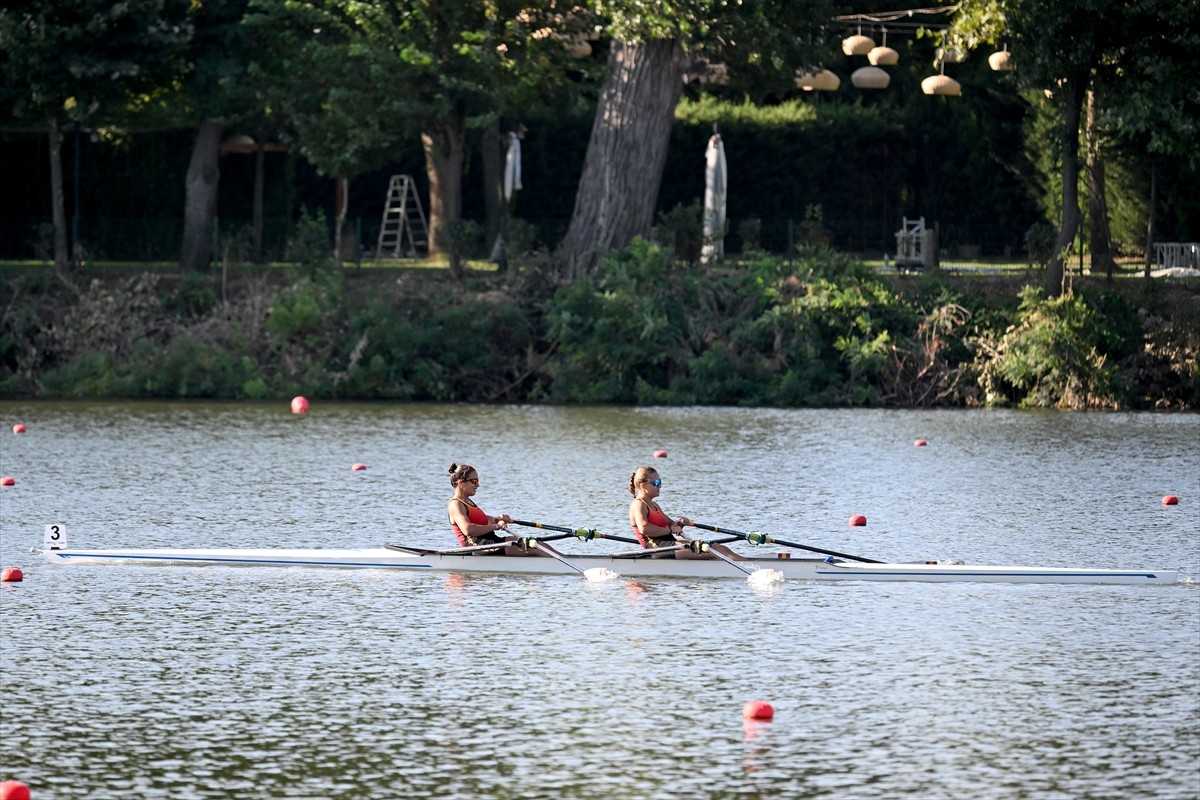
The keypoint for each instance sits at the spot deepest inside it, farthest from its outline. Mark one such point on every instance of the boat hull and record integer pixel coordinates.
(805, 569)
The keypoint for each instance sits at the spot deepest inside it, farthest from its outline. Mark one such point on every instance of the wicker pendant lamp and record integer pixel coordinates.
(822, 81)
(870, 78)
(857, 45)
(883, 56)
(1000, 60)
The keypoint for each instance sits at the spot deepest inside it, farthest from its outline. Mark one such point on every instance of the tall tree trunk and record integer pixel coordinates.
(57, 202)
(1076, 86)
(444, 145)
(200, 203)
(622, 172)
(1150, 216)
(1099, 236)
(341, 203)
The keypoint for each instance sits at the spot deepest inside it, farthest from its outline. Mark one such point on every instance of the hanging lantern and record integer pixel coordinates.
(823, 81)
(870, 78)
(883, 56)
(941, 84)
(1000, 61)
(857, 45)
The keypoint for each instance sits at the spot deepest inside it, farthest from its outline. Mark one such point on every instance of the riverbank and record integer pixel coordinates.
(819, 330)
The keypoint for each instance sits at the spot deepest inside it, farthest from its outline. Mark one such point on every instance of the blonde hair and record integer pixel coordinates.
(640, 475)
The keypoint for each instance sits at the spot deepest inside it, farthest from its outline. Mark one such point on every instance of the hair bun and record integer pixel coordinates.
(453, 468)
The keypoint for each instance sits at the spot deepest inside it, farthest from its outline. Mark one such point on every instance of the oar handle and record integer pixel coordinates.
(762, 538)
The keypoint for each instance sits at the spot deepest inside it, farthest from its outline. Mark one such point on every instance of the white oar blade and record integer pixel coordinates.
(763, 578)
(598, 574)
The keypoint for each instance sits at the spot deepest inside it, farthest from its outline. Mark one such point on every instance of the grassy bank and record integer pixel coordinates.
(817, 329)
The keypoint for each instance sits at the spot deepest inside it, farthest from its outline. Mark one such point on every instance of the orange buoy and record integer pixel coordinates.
(14, 790)
(1170, 500)
(758, 709)
(299, 404)
(358, 467)
(920, 443)
(857, 520)
(7, 481)
(12, 575)
(660, 453)
(18, 428)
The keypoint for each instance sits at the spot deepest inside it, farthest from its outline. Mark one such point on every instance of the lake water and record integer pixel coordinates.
(217, 682)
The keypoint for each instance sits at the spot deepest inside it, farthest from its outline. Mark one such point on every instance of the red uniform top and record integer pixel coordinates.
(476, 515)
(654, 517)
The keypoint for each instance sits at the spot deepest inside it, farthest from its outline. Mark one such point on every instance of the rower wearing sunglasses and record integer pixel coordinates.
(652, 527)
(471, 525)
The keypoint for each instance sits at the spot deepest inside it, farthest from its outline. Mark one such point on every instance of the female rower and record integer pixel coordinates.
(653, 528)
(470, 524)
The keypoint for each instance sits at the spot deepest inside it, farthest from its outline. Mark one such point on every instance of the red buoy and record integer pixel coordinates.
(758, 709)
(18, 428)
(299, 404)
(14, 790)
(660, 453)
(1170, 500)
(358, 467)
(11, 575)
(857, 520)
(920, 443)
(7, 481)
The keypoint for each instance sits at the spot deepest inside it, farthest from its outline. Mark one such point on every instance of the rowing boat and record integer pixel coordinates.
(415, 559)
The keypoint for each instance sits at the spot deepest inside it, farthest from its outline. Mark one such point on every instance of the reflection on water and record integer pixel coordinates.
(213, 682)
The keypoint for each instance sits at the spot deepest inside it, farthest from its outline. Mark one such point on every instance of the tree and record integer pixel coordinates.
(1152, 102)
(85, 61)
(355, 80)
(653, 50)
(1141, 54)
(212, 96)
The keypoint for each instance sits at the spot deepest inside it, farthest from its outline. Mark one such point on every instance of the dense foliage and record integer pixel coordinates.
(813, 330)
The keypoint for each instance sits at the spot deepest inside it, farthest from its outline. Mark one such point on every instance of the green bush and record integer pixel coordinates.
(1051, 357)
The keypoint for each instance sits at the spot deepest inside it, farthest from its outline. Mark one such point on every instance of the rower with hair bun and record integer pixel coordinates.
(471, 525)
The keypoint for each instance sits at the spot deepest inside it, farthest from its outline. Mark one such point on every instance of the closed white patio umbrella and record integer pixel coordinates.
(715, 190)
(512, 184)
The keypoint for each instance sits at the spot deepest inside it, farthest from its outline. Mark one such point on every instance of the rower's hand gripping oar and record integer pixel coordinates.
(755, 537)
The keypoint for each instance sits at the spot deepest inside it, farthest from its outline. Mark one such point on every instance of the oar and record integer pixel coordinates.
(460, 551)
(758, 577)
(594, 574)
(695, 546)
(761, 538)
(586, 534)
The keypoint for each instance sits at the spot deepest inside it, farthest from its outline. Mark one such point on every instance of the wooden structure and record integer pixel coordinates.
(916, 245)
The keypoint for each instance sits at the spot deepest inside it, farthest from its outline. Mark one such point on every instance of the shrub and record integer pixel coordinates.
(1050, 358)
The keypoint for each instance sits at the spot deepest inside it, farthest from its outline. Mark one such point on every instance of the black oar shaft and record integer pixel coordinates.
(756, 536)
(581, 533)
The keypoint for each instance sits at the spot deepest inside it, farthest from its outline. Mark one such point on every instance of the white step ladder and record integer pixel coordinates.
(403, 220)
